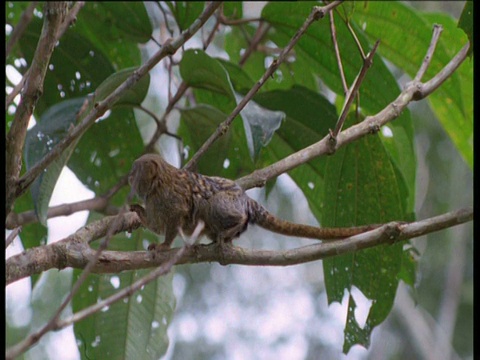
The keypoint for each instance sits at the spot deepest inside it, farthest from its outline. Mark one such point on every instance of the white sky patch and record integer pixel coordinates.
(363, 306)
(68, 190)
(387, 132)
(187, 328)
(17, 294)
(226, 163)
(115, 281)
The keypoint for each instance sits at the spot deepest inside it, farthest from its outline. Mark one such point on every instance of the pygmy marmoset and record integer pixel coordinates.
(178, 199)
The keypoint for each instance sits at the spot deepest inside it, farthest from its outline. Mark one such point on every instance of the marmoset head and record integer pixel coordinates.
(142, 175)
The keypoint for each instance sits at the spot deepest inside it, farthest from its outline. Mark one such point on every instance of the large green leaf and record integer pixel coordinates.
(50, 129)
(241, 81)
(124, 20)
(362, 187)
(205, 73)
(466, 23)
(185, 12)
(54, 125)
(107, 150)
(135, 328)
(77, 66)
(405, 36)
(105, 37)
(116, 28)
(133, 96)
(228, 156)
(303, 126)
(197, 124)
(201, 71)
(318, 56)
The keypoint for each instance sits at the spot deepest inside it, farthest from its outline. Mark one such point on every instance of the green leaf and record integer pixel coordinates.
(135, 328)
(362, 187)
(303, 126)
(228, 156)
(197, 124)
(133, 96)
(452, 102)
(34, 234)
(115, 29)
(201, 71)
(466, 23)
(126, 20)
(205, 73)
(77, 67)
(260, 125)
(107, 150)
(50, 129)
(186, 12)
(405, 37)
(378, 89)
(233, 9)
(241, 81)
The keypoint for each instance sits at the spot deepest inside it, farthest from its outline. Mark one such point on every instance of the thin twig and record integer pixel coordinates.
(352, 92)
(16, 90)
(212, 33)
(437, 30)
(165, 18)
(257, 37)
(163, 269)
(159, 131)
(316, 14)
(12, 236)
(354, 35)
(425, 89)
(71, 18)
(124, 293)
(333, 32)
(20, 27)
(161, 128)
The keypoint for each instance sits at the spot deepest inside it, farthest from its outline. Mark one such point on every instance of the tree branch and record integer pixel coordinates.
(55, 13)
(74, 251)
(413, 91)
(100, 203)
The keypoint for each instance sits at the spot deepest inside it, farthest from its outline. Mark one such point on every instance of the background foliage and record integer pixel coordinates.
(374, 180)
